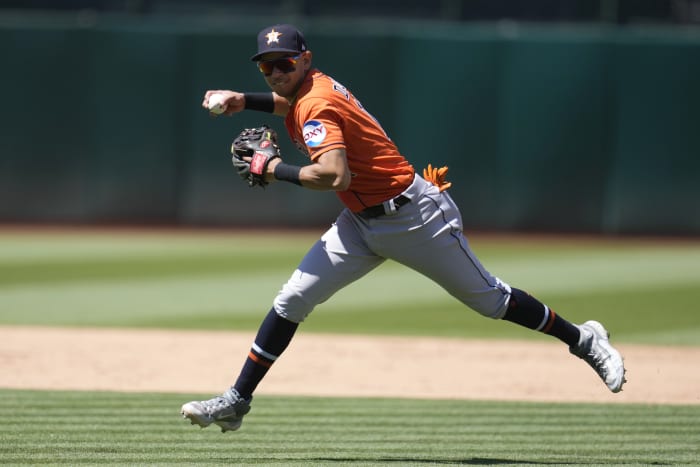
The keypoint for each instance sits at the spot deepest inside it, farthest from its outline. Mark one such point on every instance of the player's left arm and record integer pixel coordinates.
(328, 172)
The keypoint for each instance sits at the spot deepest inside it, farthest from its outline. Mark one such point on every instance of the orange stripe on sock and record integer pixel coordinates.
(550, 322)
(259, 360)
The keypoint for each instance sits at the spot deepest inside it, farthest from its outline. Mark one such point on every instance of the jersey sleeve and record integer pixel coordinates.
(322, 126)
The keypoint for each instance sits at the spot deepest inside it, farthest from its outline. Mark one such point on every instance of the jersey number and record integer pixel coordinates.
(344, 91)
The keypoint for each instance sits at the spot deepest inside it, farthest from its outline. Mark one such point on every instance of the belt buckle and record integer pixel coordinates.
(390, 208)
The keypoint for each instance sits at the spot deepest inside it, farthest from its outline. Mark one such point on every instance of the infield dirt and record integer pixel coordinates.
(337, 365)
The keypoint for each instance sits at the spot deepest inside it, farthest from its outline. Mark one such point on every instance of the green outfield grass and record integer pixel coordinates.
(643, 291)
(146, 429)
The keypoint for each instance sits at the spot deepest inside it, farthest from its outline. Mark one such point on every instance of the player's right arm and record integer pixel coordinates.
(281, 105)
(235, 102)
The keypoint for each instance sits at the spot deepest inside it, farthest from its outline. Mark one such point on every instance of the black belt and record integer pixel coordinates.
(378, 210)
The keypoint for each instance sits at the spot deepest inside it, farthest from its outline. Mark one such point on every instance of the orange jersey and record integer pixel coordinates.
(325, 116)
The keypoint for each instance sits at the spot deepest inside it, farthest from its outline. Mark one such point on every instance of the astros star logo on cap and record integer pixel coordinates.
(273, 36)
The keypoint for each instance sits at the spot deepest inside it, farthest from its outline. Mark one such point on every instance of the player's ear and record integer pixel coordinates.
(306, 59)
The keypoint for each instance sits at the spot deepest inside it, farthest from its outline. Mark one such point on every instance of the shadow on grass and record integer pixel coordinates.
(472, 461)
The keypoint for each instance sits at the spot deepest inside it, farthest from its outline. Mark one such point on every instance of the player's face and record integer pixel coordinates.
(284, 72)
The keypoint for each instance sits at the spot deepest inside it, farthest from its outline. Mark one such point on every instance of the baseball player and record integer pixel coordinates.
(391, 212)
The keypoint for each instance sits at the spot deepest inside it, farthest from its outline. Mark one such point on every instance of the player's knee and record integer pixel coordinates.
(493, 312)
(492, 304)
(292, 307)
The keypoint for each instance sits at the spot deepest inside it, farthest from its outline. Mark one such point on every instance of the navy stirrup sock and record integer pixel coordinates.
(274, 335)
(527, 311)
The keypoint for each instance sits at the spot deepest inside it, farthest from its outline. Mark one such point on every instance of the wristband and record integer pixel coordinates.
(261, 101)
(288, 173)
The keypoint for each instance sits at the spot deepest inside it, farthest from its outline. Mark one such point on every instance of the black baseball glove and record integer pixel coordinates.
(259, 144)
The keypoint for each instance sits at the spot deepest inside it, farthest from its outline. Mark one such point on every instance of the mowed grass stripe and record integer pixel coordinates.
(173, 264)
(594, 267)
(69, 427)
(37, 258)
(132, 302)
(37, 246)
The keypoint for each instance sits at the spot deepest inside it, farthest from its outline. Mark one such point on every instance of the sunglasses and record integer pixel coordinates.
(284, 64)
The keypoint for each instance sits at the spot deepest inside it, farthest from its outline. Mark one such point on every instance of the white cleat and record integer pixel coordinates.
(594, 347)
(226, 410)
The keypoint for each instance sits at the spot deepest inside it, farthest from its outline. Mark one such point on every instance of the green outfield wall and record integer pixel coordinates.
(549, 129)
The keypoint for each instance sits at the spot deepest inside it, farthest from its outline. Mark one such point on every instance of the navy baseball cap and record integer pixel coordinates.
(280, 38)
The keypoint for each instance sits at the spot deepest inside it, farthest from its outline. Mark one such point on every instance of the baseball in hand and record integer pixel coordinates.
(216, 103)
